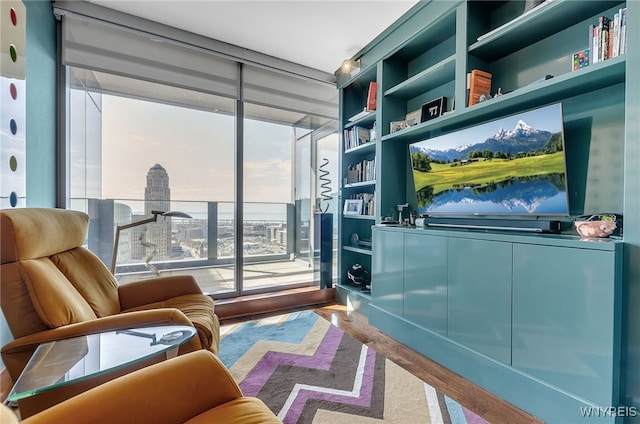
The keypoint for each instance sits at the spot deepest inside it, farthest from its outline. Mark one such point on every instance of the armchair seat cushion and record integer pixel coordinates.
(243, 410)
(200, 311)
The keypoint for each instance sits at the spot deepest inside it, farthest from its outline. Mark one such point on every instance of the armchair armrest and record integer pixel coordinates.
(17, 353)
(172, 391)
(156, 290)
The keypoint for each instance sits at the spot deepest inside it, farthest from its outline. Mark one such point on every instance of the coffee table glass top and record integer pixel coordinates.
(63, 362)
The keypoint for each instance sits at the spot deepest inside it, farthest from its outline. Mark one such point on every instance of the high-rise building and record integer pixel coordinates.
(157, 194)
(157, 197)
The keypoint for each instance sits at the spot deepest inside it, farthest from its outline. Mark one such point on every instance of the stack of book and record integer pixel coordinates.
(608, 38)
(363, 171)
(355, 136)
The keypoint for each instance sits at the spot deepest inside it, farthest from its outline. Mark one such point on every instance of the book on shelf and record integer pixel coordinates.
(478, 83)
(356, 136)
(607, 38)
(360, 172)
(371, 96)
(623, 30)
(368, 203)
(603, 39)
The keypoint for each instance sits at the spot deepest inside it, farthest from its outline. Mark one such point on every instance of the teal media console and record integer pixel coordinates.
(534, 320)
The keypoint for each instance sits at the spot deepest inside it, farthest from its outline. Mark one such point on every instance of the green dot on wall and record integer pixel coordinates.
(13, 163)
(13, 53)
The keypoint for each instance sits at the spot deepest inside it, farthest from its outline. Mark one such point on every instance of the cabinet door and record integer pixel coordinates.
(480, 296)
(564, 322)
(387, 262)
(425, 281)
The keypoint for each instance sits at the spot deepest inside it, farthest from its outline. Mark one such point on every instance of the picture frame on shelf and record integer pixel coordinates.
(352, 207)
(433, 109)
(396, 126)
(413, 118)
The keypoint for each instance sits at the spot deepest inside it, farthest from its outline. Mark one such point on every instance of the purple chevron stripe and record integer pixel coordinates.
(473, 418)
(363, 398)
(321, 359)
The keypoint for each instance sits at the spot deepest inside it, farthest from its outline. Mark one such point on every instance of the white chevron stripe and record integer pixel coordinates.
(355, 392)
(433, 404)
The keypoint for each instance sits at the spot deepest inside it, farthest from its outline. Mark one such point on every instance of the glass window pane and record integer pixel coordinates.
(148, 155)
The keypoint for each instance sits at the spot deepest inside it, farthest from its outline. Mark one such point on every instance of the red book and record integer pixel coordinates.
(371, 96)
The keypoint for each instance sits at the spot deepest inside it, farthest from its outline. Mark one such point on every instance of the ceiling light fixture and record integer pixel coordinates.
(351, 67)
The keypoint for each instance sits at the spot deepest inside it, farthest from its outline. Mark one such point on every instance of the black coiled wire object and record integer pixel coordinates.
(325, 187)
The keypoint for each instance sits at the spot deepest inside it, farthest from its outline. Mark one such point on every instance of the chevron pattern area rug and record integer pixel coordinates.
(309, 371)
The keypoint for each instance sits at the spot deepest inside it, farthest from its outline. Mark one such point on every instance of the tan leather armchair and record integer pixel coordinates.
(193, 388)
(54, 288)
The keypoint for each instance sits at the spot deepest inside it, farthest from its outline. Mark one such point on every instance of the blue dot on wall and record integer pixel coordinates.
(13, 199)
(13, 126)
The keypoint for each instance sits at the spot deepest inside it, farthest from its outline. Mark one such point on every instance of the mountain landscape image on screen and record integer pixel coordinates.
(515, 165)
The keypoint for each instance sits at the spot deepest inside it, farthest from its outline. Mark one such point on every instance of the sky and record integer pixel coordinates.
(195, 147)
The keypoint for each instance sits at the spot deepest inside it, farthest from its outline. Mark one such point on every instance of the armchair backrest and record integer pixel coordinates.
(48, 279)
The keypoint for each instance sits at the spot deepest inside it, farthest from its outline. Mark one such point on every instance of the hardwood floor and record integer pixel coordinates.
(483, 403)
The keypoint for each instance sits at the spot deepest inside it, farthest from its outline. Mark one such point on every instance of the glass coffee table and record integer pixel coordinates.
(63, 362)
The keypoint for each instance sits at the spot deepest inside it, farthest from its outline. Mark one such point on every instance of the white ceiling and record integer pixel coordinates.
(316, 33)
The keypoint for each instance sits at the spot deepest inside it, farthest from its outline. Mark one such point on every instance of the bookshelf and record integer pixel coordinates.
(358, 180)
(426, 55)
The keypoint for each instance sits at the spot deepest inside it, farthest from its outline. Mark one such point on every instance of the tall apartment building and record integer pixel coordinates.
(157, 197)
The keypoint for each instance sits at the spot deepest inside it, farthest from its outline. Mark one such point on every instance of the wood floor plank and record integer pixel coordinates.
(480, 401)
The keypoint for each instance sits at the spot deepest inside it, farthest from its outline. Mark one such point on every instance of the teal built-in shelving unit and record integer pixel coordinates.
(515, 313)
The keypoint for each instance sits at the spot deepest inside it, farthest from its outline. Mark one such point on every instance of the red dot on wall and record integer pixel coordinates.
(14, 17)
(13, 90)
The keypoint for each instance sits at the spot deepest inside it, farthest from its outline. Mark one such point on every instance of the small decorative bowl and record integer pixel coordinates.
(601, 225)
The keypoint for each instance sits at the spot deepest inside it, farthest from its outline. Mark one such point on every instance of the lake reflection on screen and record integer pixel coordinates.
(542, 194)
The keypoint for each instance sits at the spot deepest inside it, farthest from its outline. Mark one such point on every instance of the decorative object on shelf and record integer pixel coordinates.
(143, 240)
(355, 240)
(353, 207)
(396, 126)
(359, 276)
(414, 118)
(433, 109)
(541, 79)
(599, 225)
(400, 208)
(580, 60)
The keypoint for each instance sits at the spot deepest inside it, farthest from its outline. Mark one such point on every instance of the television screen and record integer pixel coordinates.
(514, 165)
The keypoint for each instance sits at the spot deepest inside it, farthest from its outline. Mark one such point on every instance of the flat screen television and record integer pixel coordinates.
(514, 166)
